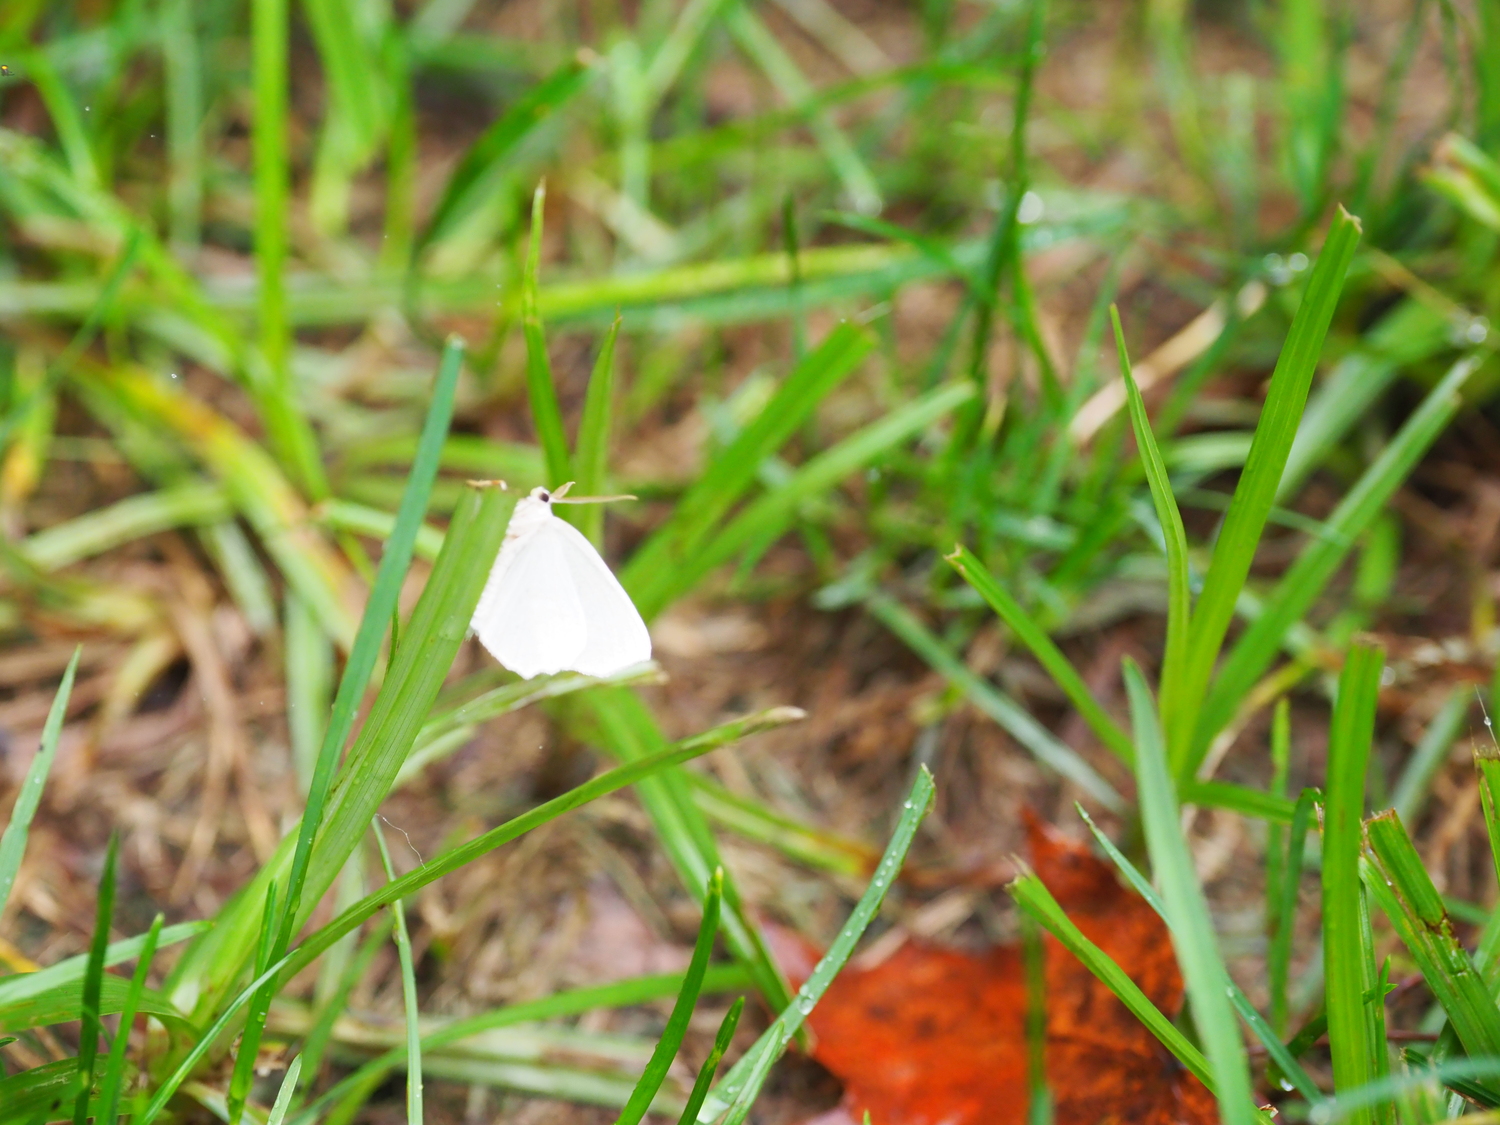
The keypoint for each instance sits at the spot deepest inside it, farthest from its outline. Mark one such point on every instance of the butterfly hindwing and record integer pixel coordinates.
(616, 635)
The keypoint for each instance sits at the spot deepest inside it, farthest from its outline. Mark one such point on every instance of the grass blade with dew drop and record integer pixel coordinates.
(682, 1011)
(408, 990)
(283, 1100)
(1203, 970)
(1255, 493)
(732, 1102)
(710, 1065)
(88, 1035)
(13, 842)
(114, 1069)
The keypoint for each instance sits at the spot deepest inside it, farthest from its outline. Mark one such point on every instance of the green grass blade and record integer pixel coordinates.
(1255, 494)
(624, 726)
(13, 842)
(1237, 798)
(1344, 954)
(710, 1065)
(1263, 1030)
(618, 778)
(732, 1102)
(1404, 891)
(591, 453)
(1306, 579)
(474, 178)
(1279, 950)
(773, 513)
(114, 1068)
(1035, 899)
(1179, 597)
(395, 559)
(682, 1011)
(93, 978)
(1035, 638)
(283, 1100)
(183, 62)
(189, 504)
(546, 415)
(20, 986)
(408, 989)
(616, 994)
(1197, 948)
(649, 576)
(1011, 717)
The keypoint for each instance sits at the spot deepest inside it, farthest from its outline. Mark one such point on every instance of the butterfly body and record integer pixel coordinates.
(551, 603)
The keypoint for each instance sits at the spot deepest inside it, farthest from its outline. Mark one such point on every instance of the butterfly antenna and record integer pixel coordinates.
(592, 499)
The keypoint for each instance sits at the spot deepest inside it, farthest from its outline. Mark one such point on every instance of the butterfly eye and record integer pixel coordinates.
(546, 497)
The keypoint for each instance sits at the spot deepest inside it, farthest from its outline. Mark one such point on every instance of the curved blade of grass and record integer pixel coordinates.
(1179, 598)
(711, 1063)
(1032, 896)
(1306, 579)
(395, 559)
(1187, 913)
(437, 627)
(93, 978)
(1237, 798)
(114, 1068)
(1011, 717)
(682, 1011)
(591, 453)
(408, 990)
(473, 179)
(1255, 493)
(1263, 1030)
(731, 1103)
(1035, 638)
(546, 415)
(1344, 953)
(13, 842)
(618, 778)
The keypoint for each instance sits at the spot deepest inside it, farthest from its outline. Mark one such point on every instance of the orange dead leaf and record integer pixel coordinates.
(934, 1036)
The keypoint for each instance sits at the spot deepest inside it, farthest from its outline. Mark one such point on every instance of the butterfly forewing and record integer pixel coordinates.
(530, 616)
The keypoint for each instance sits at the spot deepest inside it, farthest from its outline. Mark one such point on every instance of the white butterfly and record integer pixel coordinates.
(551, 603)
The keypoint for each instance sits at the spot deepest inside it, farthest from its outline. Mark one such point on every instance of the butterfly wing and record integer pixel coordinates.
(617, 637)
(530, 616)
